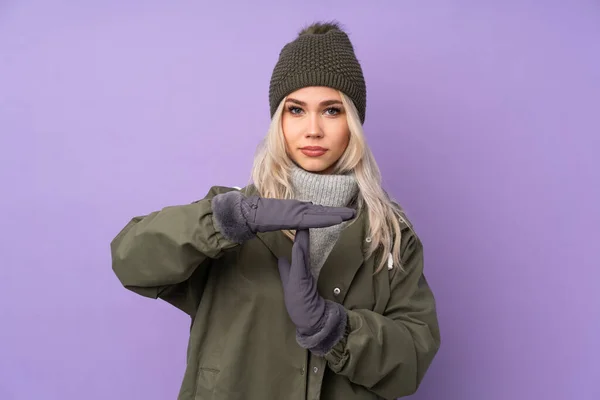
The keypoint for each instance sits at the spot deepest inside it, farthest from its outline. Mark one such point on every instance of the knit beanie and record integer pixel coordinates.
(321, 55)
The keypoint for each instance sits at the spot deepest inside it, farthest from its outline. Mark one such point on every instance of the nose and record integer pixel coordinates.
(314, 129)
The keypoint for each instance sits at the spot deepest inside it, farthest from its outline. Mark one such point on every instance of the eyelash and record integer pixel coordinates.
(336, 110)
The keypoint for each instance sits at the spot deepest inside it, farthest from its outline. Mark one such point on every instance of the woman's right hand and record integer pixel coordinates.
(240, 218)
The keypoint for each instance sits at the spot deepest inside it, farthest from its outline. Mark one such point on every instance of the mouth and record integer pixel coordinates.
(313, 151)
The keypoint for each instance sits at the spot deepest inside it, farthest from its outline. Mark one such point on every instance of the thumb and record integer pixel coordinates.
(284, 269)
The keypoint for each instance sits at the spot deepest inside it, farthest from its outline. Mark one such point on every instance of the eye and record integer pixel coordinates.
(294, 110)
(333, 111)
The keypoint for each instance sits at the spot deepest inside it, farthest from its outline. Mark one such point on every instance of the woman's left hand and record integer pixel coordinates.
(304, 304)
(320, 323)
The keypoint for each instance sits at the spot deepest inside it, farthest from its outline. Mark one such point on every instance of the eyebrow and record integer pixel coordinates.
(323, 103)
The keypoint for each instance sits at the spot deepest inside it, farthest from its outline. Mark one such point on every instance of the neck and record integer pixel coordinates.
(322, 189)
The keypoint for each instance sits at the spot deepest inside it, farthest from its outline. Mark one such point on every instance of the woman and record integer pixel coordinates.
(308, 283)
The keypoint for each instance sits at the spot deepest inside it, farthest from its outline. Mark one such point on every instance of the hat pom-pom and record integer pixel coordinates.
(320, 28)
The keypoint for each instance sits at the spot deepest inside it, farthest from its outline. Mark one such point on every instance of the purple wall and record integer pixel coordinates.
(485, 119)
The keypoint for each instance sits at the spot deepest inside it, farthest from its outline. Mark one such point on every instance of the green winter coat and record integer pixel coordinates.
(242, 343)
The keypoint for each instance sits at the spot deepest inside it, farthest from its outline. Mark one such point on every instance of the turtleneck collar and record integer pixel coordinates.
(325, 190)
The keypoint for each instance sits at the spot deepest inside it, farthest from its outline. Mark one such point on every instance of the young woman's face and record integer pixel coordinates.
(315, 128)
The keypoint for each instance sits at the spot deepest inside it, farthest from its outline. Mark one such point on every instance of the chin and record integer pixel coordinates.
(314, 166)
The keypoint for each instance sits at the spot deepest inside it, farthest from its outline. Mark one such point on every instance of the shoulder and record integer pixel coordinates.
(410, 242)
(404, 221)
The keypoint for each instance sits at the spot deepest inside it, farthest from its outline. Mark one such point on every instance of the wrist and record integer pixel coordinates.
(327, 333)
(229, 216)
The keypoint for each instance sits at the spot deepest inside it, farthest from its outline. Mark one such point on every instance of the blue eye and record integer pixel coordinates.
(333, 111)
(294, 110)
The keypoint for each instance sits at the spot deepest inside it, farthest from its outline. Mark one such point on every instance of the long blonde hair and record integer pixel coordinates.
(271, 177)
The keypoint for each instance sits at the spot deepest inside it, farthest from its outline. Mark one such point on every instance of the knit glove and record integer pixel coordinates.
(320, 323)
(239, 217)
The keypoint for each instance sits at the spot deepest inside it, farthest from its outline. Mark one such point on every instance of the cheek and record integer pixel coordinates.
(286, 133)
(290, 130)
(342, 139)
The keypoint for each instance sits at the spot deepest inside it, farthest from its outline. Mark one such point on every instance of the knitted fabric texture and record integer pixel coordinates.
(319, 59)
(325, 190)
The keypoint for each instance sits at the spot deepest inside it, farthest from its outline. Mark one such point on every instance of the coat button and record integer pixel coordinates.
(368, 240)
(337, 291)
(315, 370)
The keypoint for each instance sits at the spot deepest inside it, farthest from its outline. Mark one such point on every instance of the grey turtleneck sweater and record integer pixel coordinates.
(325, 190)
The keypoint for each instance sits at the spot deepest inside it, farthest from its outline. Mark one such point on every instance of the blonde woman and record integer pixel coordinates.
(308, 283)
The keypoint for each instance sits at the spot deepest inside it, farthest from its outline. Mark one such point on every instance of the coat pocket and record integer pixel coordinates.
(205, 382)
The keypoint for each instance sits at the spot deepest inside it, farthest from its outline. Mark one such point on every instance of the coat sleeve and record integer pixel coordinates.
(390, 353)
(167, 254)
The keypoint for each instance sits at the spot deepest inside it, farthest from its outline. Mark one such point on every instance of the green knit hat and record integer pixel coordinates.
(321, 55)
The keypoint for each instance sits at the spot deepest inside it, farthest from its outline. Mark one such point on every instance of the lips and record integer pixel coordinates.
(313, 151)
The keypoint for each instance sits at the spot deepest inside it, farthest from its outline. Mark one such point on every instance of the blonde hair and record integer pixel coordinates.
(271, 177)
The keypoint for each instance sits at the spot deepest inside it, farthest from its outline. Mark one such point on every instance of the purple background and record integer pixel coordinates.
(484, 117)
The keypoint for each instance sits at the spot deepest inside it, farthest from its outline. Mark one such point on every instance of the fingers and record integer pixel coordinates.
(302, 239)
(300, 255)
(344, 213)
(284, 270)
(300, 269)
(300, 249)
(321, 216)
(266, 214)
(321, 220)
